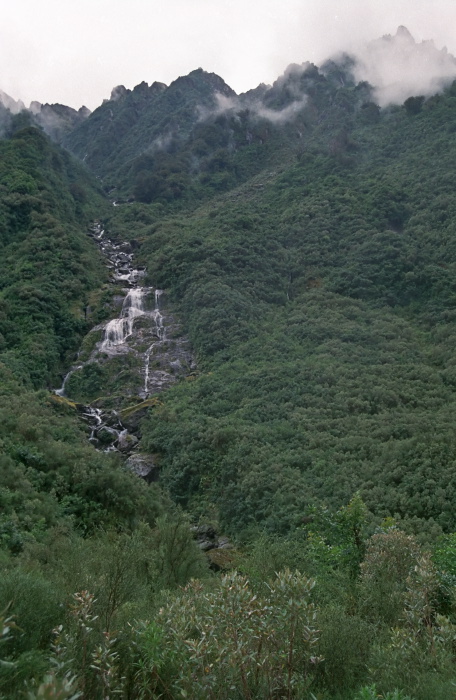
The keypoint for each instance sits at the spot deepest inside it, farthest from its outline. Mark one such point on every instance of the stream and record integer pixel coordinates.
(141, 331)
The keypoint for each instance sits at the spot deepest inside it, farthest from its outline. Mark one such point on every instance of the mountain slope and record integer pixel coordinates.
(46, 199)
(50, 476)
(311, 256)
(319, 298)
(141, 120)
(305, 238)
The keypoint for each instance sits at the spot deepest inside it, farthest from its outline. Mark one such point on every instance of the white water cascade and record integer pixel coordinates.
(161, 332)
(61, 391)
(119, 329)
(159, 357)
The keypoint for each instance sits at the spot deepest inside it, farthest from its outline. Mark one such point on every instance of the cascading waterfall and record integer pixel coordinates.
(119, 329)
(160, 331)
(158, 315)
(107, 431)
(61, 391)
(94, 419)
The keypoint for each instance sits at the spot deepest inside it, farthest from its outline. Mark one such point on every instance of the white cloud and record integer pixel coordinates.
(76, 52)
(398, 67)
(256, 107)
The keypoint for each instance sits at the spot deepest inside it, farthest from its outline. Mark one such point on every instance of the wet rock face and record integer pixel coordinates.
(126, 442)
(143, 329)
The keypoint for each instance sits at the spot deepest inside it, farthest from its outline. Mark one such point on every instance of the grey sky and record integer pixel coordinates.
(75, 51)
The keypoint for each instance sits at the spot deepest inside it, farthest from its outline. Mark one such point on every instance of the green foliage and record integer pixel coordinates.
(389, 561)
(311, 260)
(345, 645)
(318, 298)
(48, 261)
(370, 693)
(34, 604)
(231, 643)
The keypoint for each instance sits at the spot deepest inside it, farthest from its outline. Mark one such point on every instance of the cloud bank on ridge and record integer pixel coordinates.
(398, 67)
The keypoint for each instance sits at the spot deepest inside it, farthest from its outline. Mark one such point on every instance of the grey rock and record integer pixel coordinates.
(206, 545)
(143, 465)
(126, 442)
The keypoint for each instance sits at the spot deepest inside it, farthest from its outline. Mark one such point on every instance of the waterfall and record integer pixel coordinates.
(61, 391)
(120, 335)
(115, 333)
(160, 331)
(96, 420)
(119, 329)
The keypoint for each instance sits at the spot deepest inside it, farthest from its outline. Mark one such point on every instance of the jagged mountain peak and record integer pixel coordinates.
(405, 41)
(118, 92)
(199, 78)
(14, 106)
(403, 32)
(156, 87)
(141, 120)
(398, 67)
(57, 120)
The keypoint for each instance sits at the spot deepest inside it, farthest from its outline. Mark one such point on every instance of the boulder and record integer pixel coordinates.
(131, 417)
(143, 465)
(126, 442)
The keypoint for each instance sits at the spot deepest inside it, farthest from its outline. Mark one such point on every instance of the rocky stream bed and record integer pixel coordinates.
(141, 352)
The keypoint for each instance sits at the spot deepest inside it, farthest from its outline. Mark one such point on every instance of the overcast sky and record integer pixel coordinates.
(75, 51)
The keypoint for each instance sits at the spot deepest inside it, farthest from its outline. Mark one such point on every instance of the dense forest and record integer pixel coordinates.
(298, 539)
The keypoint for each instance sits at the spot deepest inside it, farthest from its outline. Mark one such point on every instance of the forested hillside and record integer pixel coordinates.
(293, 251)
(319, 298)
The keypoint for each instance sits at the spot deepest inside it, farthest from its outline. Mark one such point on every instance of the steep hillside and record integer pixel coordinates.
(142, 121)
(305, 235)
(177, 145)
(51, 271)
(46, 200)
(319, 297)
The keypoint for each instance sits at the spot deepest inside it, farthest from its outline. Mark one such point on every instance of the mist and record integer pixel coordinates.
(14, 106)
(255, 106)
(74, 53)
(398, 67)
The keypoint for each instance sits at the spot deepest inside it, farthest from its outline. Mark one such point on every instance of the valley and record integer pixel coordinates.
(228, 386)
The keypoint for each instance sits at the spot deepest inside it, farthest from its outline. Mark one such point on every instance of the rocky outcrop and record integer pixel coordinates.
(207, 538)
(219, 550)
(57, 120)
(143, 465)
(132, 416)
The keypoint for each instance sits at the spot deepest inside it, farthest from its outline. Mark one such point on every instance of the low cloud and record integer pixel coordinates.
(161, 143)
(118, 92)
(14, 106)
(398, 67)
(255, 106)
(283, 115)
